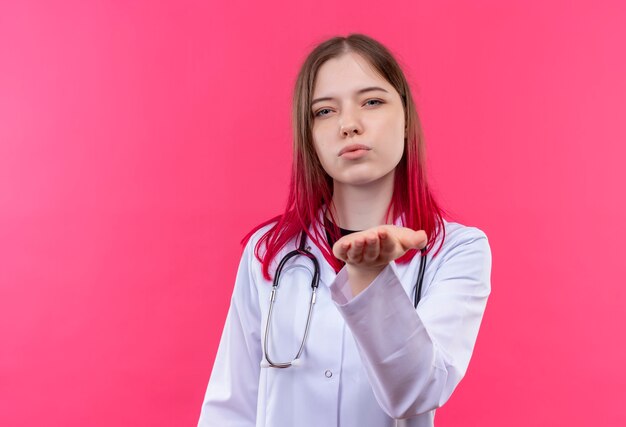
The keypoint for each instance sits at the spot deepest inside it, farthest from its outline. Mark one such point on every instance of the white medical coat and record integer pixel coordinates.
(369, 360)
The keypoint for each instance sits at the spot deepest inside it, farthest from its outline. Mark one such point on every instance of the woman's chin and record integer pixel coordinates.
(360, 180)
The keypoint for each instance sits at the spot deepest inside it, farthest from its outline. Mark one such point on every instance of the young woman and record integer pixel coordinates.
(360, 222)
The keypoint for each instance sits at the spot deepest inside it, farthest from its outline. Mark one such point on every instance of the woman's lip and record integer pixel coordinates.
(354, 147)
(354, 154)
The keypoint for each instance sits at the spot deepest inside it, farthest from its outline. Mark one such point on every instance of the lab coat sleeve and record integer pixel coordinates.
(414, 359)
(231, 395)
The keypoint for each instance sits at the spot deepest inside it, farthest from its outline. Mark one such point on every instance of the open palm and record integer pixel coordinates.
(378, 246)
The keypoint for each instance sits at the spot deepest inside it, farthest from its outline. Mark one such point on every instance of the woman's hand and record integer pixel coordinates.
(366, 253)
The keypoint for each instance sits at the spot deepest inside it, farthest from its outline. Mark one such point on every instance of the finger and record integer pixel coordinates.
(355, 253)
(410, 239)
(340, 249)
(387, 244)
(424, 240)
(372, 247)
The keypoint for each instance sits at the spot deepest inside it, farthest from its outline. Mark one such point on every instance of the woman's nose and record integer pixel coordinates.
(349, 130)
(350, 125)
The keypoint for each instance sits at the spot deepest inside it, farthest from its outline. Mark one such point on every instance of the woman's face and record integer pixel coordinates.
(355, 107)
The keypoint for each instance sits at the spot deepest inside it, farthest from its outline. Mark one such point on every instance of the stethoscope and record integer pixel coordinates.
(315, 279)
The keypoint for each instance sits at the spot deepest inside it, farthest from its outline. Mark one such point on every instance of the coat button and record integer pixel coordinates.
(328, 373)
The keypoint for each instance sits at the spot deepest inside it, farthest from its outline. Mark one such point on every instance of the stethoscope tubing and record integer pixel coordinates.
(314, 285)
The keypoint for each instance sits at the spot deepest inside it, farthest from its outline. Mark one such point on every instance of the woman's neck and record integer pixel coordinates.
(359, 207)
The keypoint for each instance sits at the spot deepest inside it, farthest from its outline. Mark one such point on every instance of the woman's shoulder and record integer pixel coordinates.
(256, 248)
(459, 236)
(256, 234)
(456, 230)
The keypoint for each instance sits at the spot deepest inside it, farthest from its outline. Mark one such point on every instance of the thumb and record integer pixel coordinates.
(411, 239)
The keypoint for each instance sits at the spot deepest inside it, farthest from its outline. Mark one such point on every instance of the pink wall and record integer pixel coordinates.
(138, 143)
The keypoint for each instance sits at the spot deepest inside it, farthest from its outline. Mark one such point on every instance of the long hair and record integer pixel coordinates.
(311, 187)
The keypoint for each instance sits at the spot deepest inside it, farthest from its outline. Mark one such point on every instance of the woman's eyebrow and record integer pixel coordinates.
(358, 92)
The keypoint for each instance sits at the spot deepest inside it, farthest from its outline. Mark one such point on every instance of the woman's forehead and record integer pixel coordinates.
(346, 74)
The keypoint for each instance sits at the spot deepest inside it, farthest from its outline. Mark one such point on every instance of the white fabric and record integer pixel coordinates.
(372, 360)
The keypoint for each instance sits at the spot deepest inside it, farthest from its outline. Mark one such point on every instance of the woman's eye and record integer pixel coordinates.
(377, 101)
(319, 112)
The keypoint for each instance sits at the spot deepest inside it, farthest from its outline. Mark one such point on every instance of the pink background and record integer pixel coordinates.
(139, 142)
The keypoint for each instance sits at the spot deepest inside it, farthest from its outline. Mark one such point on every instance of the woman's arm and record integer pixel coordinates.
(231, 396)
(414, 359)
